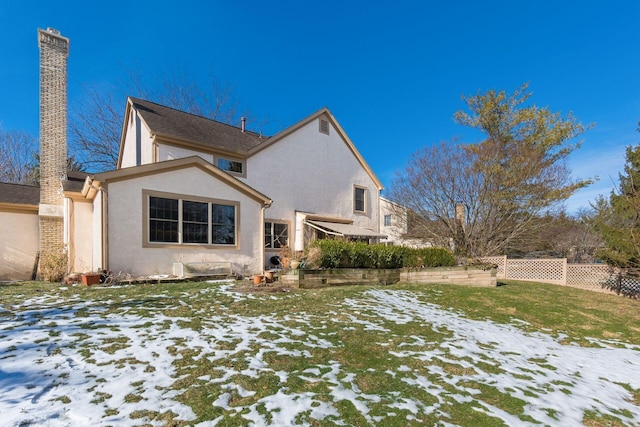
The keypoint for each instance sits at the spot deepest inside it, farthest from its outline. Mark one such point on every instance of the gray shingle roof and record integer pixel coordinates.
(74, 181)
(165, 121)
(19, 194)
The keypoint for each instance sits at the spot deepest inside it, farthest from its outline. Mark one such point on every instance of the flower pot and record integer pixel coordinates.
(294, 264)
(268, 276)
(257, 279)
(89, 279)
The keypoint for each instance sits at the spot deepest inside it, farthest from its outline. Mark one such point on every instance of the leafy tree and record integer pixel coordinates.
(618, 218)
(502, 185)
(18, 151)
(96, 121)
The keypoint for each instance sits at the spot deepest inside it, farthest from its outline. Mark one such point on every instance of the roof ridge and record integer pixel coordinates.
(239, 128)
(17, 183)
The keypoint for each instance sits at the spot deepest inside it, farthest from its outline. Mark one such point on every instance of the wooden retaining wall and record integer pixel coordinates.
(306, 279)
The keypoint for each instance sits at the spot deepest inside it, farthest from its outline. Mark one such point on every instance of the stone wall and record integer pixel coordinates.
(354, 276)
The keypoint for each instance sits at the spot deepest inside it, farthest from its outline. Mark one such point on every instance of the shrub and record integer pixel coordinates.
(53, 265)
(343, 254)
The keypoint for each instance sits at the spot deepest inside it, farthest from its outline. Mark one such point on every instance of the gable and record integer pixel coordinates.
(148, 170)
(315, 123)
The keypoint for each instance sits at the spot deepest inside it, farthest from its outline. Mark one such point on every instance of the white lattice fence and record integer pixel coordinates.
(500, 261)
(556, 271)
(537, 270)
(587, 276)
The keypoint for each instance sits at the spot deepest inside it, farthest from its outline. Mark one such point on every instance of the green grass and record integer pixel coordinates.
(359, 352)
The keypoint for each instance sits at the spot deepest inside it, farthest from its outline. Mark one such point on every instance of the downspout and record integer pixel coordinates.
(105, 228)
(262, 251)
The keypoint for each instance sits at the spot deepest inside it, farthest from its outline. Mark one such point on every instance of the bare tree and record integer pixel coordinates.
(502, 185)
(96, 122)
(18, 151)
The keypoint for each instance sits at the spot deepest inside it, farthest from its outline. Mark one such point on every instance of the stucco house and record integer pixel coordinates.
(186, 189)
(190, 189)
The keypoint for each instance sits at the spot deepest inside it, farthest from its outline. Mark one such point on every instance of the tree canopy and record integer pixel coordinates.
(18, 157)
(503, 184)
(618, 217)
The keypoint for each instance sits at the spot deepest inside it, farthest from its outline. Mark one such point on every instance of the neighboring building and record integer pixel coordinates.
(395, 224)
(186, 189)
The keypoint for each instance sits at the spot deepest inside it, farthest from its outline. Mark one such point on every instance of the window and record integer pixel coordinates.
(223, 222)
(276, 235)
(195, 222)
(179, 221)
(359, 199)
(230, 165)
(163, 220)
(387, 220)
(324, 126)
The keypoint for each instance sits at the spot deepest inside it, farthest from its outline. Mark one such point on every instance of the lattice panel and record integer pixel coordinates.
(587, 276)
(623, 284)
(538, 270)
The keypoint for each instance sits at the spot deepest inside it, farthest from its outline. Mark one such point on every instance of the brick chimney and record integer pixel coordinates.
(54, 50)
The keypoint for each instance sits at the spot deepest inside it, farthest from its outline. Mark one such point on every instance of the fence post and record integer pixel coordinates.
(564, 272)
(504, 268)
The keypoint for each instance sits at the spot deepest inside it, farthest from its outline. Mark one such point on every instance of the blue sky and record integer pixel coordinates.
(392, 73)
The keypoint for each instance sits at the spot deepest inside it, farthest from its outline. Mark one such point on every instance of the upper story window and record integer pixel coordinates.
(324, 126)
(359, 199)
(233, 166)
(387, 220)
(179, 221)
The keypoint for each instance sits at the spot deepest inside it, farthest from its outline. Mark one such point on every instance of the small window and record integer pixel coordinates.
(324, 126)
(387, 220)
(276, 235)
(231, 165)
(359, 199)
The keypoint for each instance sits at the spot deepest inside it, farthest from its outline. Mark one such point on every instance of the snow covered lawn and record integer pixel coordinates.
(203, 354)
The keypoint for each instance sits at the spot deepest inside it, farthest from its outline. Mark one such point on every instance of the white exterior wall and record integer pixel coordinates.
(312, 172)
(125, 219)
(169, 152)
(398, 227)
(138, 149)
(80, 236)
(96, 231)
(19, 241)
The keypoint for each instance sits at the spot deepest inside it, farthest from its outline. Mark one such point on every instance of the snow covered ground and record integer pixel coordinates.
(73, 363)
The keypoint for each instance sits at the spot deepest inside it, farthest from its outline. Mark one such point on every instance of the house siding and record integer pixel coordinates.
(138, 146)
(19, 244)
(126, 219)
(310, 171)
(170, 152)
